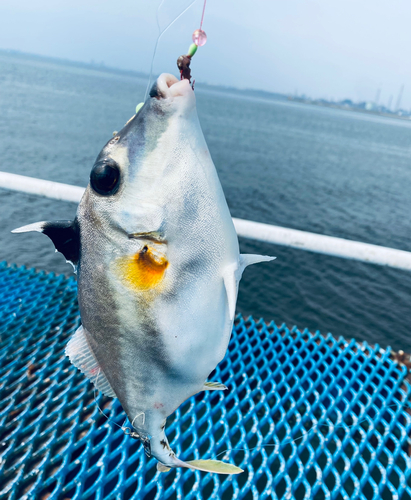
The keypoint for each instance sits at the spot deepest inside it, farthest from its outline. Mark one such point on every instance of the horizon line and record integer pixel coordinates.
(140, 74)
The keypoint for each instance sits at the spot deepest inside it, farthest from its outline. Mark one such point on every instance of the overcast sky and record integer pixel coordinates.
(322, 48)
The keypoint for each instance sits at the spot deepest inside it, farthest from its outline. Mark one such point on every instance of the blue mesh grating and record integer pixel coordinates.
(335, 413)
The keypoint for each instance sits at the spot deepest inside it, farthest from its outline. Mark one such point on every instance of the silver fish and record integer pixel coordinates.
(158, 267)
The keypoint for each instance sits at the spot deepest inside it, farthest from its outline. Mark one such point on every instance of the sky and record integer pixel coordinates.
(320, 48)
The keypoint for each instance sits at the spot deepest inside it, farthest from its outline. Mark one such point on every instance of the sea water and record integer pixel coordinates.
(328, 171)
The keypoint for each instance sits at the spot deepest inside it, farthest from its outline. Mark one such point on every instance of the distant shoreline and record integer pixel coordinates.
(256, 93)
(108, 69)
(348, 108)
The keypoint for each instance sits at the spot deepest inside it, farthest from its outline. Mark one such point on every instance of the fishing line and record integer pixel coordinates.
(306, 434)
(202, 17)
(110, 420)
(314, 429)
(126, 430)
(161, 33)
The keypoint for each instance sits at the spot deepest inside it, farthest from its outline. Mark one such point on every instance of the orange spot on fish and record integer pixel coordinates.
(144, 270)
(157, 406)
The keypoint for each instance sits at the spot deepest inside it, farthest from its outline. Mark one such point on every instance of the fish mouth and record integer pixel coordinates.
(168, 87)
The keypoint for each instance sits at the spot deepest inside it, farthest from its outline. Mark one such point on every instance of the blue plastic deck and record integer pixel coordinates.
(334, 414)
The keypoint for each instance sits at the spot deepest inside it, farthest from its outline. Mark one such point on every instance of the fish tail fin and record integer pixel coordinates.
(167, 459)
(162, 468)
(214, 466)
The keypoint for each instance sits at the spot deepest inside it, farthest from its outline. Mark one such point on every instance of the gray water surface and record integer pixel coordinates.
(328, 171)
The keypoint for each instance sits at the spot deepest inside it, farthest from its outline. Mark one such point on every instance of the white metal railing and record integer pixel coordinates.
(328, 245)
(49, 189)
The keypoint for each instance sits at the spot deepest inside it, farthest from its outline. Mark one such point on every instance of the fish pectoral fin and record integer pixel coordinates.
(214, 386)
(231, 287)
(63, 233)
(216, 466)
(82, 357)
(154, 236)
(162, 468)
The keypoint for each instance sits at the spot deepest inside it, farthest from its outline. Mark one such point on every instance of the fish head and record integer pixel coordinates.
(169, 100)
(130, 164)
(132, 189)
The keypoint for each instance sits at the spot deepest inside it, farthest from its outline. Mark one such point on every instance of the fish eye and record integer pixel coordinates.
(105, 177)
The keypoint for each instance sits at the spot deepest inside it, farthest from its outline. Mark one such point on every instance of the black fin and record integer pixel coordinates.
(63, 233)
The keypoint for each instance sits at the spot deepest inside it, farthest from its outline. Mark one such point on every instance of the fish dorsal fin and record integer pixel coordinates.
(82, 357)
(63, 233)
(231, 287)
(214, 386)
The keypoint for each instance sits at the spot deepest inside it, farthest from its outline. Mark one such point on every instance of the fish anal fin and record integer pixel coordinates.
(247, 259)
(214, 386)
(63, 233)
(216, 466)
(231, 287)
(82, 357)
(232, 275)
